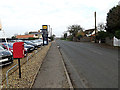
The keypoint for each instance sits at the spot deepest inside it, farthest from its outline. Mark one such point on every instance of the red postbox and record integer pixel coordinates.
(18, 50)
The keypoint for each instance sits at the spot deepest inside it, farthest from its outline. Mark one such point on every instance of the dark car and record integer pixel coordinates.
(30, 43)
(6, 57)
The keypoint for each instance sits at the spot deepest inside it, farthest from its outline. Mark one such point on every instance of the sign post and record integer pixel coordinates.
(45, 34)
(19, 67)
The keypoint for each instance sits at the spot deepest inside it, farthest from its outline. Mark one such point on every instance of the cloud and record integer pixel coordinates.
(19, 16)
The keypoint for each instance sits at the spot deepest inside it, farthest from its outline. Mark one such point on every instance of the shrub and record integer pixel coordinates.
(70, 38)
(117, 34)
(101, 35)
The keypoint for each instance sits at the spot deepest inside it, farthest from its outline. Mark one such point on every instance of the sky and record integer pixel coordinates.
(20, 16)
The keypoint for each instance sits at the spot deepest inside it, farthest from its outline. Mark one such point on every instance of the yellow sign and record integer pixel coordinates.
(44, 26)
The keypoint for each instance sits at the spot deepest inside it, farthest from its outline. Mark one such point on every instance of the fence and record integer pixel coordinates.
(116, 42)
(109, 41)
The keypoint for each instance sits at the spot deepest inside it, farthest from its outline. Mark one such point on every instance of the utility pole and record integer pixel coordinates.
(95, 26)
(51, 32)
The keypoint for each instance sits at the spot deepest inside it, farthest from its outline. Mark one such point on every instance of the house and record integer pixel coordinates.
(32, 34)
(39, 34)
(26, 36)
(89, 32)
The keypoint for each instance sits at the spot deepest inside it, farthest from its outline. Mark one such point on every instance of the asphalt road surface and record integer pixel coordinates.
(90, 65)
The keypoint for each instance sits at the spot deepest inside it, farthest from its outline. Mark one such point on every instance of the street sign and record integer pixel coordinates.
(44, 27)
(45, 34)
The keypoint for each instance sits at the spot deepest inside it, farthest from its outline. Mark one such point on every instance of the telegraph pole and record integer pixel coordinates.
(51, 32)
(95, 26)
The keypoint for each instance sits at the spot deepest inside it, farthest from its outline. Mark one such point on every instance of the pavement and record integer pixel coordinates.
(52, 73)
(90, 65)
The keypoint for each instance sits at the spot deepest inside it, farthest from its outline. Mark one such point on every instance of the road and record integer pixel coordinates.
(90, 65)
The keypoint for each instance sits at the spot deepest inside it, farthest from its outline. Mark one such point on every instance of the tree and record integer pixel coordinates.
(73, 30)
(113, 20)
(65, 35)
(101, 36)
(52, 37)
(117, 34)
(13, 37)
(80, 34)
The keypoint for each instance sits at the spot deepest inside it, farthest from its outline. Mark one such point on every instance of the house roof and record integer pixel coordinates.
(24, 36)
(89, 31)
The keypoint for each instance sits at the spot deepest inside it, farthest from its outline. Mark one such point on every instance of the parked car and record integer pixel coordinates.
(30, 48)
(4, 45)
(30, 43)
(6, 57)
(40, 41)
(36, 42)
(10, 45)
(16, 41)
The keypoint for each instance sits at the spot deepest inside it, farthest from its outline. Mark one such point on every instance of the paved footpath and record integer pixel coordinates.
(51, 73)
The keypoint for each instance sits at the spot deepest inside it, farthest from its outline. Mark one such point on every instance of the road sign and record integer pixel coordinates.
(45, 34)
(44, 27)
